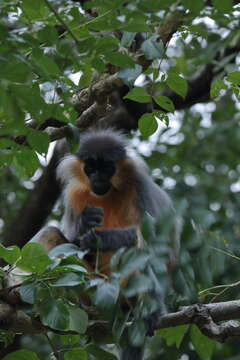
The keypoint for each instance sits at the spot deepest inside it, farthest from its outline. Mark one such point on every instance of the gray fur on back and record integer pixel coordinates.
(150, 197)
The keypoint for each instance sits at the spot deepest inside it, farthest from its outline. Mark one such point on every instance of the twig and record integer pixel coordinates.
(54, 349)
(49, 5)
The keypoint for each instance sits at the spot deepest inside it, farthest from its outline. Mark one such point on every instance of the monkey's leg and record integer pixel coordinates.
(152, 321)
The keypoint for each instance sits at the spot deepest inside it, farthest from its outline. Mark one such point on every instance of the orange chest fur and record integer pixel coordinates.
(119, 210)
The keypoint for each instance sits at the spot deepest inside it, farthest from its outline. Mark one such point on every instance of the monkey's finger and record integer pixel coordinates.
(93, 224)
(93, 210)
(96, 218)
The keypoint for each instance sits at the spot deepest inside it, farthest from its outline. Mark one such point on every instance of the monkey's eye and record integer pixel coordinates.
(90, 167)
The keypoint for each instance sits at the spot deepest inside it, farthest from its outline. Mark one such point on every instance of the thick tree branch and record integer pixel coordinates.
(205, 316)
(38, 205)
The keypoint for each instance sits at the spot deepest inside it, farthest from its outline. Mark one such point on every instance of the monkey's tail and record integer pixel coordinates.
(132, 353)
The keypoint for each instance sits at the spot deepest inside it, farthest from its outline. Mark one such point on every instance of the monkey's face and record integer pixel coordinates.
(99, 172)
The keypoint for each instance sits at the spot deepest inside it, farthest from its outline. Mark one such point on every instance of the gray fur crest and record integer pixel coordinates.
(109, 144)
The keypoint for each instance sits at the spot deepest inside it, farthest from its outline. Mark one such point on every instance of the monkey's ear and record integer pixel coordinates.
(151, 197)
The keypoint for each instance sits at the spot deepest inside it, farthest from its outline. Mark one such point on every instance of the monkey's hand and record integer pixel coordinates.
(90, 218)
(109, 239)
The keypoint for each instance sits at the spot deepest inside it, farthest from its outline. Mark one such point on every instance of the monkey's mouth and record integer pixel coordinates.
(101, 190)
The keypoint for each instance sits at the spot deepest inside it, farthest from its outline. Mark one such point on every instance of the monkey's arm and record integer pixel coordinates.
(110, 239)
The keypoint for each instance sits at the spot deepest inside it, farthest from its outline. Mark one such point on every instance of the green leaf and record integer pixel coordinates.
(66, 250)
(129, 76)
(27, 292)
(161, 116)
(45, 63)
(10, 254)
(42, 293)
(136, 333)
(33, 9)
(121, 60)
(178, 84)
(154, 5)
(33, 258)
(48, 35)
(127, 38)
(86, 77)
(223, 5)
(26, 162)
(173, 335)
(70, 279)
(107, 294)
(234, 77)
(76, 353)
(133, 260)
(107, 44)
(72, 267)
(55, 314)
(21, 355)
(194, 6)
(39, 141)
(147, 124)
(98, 64)
(30, 99)
(137, 284)
(99, 353)
(78, 320)
(202, 344)
(165, 103)
(216, 87)
(69, 339)
(138, 94)
(136, 26)
(153, 48)
(14, 70)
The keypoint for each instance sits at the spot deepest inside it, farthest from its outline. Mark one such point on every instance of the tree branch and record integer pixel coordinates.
(38, 204)
(205, 316)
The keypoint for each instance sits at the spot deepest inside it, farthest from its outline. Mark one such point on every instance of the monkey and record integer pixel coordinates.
(106, 194)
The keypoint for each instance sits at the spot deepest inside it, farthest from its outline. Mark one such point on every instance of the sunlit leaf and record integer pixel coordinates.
(130, 75)
(216, 87)
(121, 60)
(106, 294)
(10, 254)
(173, 335)
(223, 5)
(178, 84)
(138, 94)
(165, 103)
(33, 258)
(39, 141)
(55, 314)
(21, 355)
(147, 124)
(76, 353)
(153, 48)
(78, 320)
(202, 344)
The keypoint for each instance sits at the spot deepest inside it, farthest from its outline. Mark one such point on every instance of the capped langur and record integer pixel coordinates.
(106, 194)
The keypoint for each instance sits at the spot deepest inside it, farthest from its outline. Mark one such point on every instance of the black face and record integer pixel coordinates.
(99, 172)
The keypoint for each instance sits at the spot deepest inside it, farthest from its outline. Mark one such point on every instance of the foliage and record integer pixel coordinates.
(44, 45)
